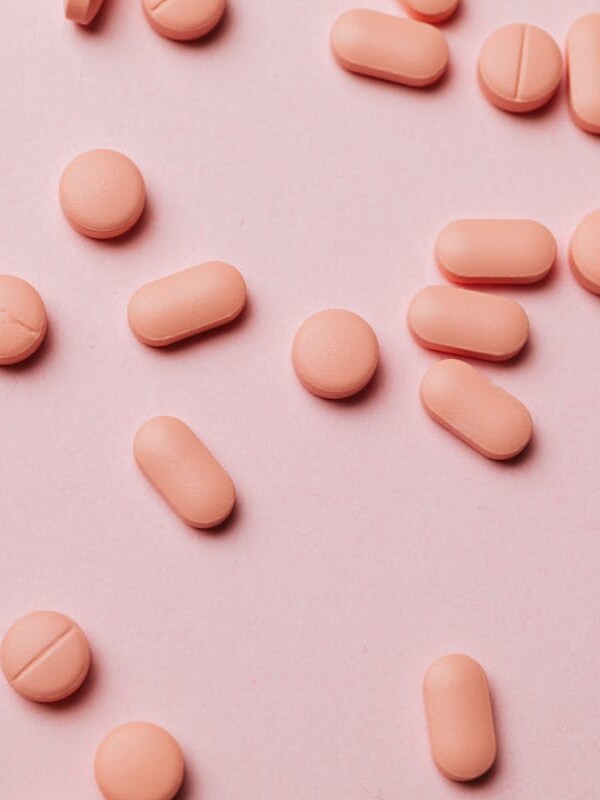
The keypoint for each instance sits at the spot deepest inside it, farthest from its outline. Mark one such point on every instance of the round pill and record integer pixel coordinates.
(139, 761)
(520, 68)
(102, 194)
(183, 20)
(23, 321)
(82, 11)
(335, 354)
(584, 254)
(45, 656)
(431, 10)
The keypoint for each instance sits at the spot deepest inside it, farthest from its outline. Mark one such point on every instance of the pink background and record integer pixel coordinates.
(286, 653)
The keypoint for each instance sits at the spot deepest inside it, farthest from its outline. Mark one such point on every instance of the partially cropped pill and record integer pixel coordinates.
(468, 323)
(465, 402)
(459, 718)
(184, 471)
(500, 251)
(583, 66)
(183, 20)
(520, 68)
(584, 254)
(388, 47)
(23, 321)
(45, 656)
(187, 303)
(433, 11)
(82, 11)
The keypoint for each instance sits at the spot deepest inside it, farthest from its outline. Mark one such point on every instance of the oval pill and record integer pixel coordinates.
(183, 20)
(584, 253)
(431, 10)
(82, 11)
(583, 67)
(391, 48)
(500, 251)
(465, 402)
(468, 323)
(23, 321)
(184, 471)
(45, 656)
(459, 718)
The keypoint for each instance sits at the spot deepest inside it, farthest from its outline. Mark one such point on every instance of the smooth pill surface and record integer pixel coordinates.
(388, 47)
(184, 471)
(500, 251)
(187, 303)
(23, 321)
(431, 10)
(102, 194)
(183, 20)
(139, 761)
(465, 402)
(45, 656)
(335, 354)
(469, 323)
(520, 68)
(583, 66)
(459, 718)
(82, 11)
(584, 254)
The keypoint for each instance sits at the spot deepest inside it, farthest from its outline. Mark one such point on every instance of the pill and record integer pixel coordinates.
(187, 303)
(465, 402)
(23, 321)
(183, 20)
(583, 67)
(500, 251)
(431, 10)
(459, 718)
(45, 656)
(584, 254)
(82, 11)
(139, 761)
(468, 323)
(388, 47)
(520, 68)
(102, 194)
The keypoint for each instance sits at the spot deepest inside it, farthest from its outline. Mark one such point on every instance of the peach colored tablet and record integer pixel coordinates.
(102, 194)
(465, 402)
(389, 47)
(584, 254)
(459, 718)
(45, 656)
(139, 761)
(82, 11)
(431, 10)
(335, 353)
(501, 251)
(187, 303)
(183, 470)
(23, 321)
(183, 20)
(468, 323)
(583, 65)
(520, 68)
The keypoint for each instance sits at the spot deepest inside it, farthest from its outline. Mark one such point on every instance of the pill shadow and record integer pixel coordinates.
(43, 352)
(102, 21)
(228, 527)
(370, 394)
(133, 234)
(222, 29)
(190, 788)
(81, 697)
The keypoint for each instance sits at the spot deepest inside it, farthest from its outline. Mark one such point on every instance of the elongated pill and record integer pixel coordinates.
(468, 323)
(501, 251)
(584, 254)
(183, 20)
(583, 66)
(391, 48)
(431, 10)
(82, 11)
(23, 320)
(184, 471)
(459, 718)
(465, 402)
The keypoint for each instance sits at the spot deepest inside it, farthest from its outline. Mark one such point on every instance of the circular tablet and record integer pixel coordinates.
(335, 354)
(45, 656)
(584, 254)
(139, 761)
(183, 20)
(23, 321)
(102, 194)
(431, 10)
(82, 11)
(520, 68)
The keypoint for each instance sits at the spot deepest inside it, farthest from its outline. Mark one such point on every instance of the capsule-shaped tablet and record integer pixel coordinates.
(83, 12)
(433, 11)
(465, 402)
(584, 253)
(186, 303)
(391, 48)
(184, 471)
(500, 251)
(468, 323)
(583, 66)
(459, 718)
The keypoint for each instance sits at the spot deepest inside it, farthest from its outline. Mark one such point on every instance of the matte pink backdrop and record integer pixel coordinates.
(286, 653)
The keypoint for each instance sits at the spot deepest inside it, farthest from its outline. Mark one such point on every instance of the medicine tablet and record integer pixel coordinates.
(23, 321)
(102, 194)
(584, 254)
(431, 10)
(459, 718)
(465, 402)
(583, 66)
(82, 11)
(187, 303)
(335, 354)
(520, 68)
(468, 323)
(183, 470)
(500, 251)
(139, 761)
(388, 47)
(183, 20)
(45, 656)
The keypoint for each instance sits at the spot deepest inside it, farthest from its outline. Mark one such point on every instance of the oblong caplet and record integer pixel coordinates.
(583, 67)
(388, 47)
(184, 471)
(500, 251)
(466, 402)
(433, 11)
(459, 718)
